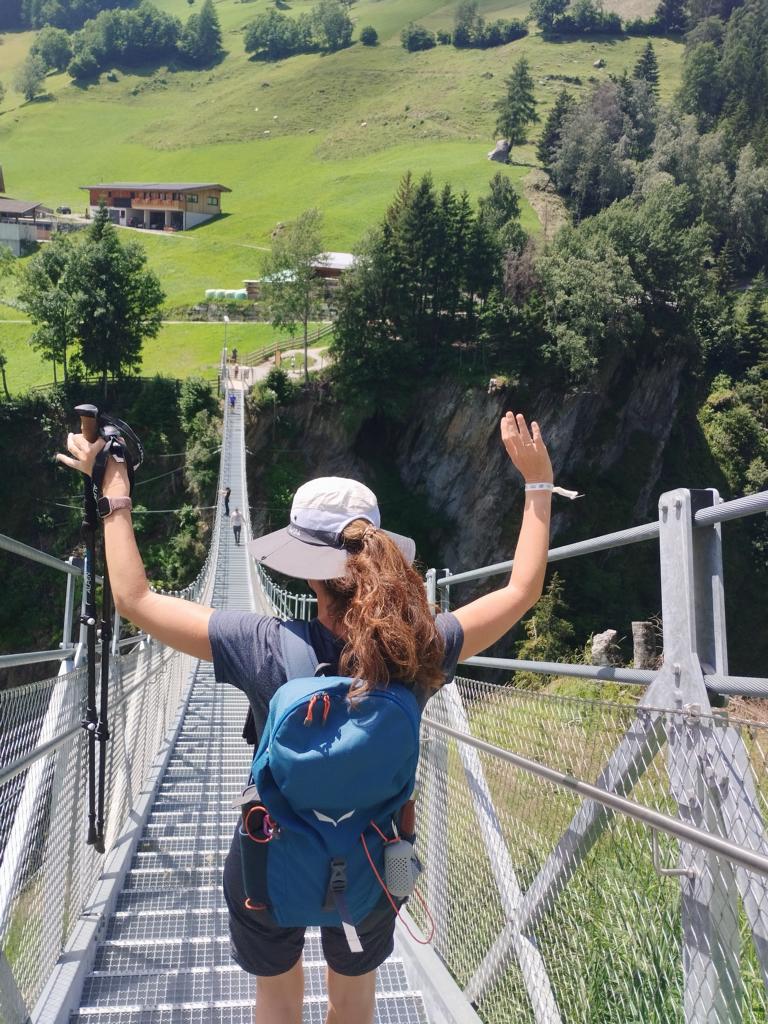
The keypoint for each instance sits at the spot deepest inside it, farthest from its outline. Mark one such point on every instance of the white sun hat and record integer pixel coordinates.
(311, 548)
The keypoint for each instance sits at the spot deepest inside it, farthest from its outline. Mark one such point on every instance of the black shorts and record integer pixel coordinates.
(263, 948)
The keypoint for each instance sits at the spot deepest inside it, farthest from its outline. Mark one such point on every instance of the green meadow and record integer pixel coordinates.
(179, 350)
(333, 131)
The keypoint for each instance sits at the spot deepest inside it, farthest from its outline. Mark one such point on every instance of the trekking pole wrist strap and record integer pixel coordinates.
(112, 449)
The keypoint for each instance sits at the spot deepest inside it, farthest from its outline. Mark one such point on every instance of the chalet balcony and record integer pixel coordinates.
(145, 203)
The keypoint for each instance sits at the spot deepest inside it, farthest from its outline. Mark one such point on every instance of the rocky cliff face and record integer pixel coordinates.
(452, 451)
(449, 452)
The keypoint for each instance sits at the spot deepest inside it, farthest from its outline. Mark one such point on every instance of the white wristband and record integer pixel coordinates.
(555, 490)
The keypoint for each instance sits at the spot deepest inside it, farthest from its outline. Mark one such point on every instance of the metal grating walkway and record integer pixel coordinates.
(165, 956)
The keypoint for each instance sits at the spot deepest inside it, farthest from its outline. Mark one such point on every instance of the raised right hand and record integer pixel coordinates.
(526, 448)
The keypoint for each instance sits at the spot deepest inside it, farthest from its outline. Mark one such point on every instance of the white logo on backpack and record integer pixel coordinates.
(332, 821)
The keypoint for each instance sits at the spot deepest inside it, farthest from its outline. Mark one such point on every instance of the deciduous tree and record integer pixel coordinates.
(116, 300)
(53, 47)
(47, 296)
(30, 77)
(546, 12)
(293, 293)
(332, 25)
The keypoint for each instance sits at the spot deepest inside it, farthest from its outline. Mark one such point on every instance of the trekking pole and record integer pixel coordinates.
(90, 429)
(105, 633)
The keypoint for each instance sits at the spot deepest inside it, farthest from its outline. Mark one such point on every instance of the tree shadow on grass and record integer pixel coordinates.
(148, 71)
(588, 37)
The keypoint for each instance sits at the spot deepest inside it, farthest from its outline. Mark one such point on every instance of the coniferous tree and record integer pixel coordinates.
(647, 68)
(517, 110)
(201, 38)
(672, 15)
(549, 143)
(751, 323)
(701, 91)
(420, 282)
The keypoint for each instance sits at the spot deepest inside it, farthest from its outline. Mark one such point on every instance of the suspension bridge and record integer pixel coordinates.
(587, 861)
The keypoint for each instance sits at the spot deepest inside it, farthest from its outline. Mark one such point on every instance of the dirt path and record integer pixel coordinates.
(547, 204)
(250, 375)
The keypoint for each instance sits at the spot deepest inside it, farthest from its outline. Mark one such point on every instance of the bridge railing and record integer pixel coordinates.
(592, 861)
(568, 882)
(285, 603)
(48, 874)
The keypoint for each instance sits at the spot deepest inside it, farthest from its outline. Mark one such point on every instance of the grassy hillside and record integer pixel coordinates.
(335, 131)
(179, 350)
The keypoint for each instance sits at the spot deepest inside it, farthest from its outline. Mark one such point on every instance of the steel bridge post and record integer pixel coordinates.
(69, 613)
(445, 592)
(694, 634)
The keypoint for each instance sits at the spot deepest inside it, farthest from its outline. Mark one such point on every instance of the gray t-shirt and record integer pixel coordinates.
(247, 653)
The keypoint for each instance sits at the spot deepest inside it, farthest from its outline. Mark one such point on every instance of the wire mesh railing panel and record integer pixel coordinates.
(552, 908)
(285, 603)
(48, 872)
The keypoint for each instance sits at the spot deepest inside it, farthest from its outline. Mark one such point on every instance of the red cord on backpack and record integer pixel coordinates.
(423, 942)
(267, 827)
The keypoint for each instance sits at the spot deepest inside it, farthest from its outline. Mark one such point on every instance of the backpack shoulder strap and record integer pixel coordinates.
(299, 655)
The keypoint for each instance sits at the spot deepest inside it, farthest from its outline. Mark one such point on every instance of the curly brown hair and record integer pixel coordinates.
(382, 604)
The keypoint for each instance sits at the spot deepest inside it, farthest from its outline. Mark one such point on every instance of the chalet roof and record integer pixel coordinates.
(158, 186)
(335, 261)
(17, 207)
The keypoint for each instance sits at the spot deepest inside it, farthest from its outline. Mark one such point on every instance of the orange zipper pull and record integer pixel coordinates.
(310, 709)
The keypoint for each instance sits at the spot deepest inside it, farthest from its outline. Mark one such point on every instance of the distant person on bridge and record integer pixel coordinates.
(232, 399)
(226, 492)
(373, 624)
(237, 524)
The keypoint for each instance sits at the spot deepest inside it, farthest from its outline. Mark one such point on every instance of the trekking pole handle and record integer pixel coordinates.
(89, 421)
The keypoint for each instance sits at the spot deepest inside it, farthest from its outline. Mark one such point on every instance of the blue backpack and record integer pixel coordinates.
(327, 782)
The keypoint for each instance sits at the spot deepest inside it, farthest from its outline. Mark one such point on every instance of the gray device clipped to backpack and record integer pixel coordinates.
(401, 868)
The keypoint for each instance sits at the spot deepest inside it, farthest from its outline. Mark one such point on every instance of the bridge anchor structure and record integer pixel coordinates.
(587, 861)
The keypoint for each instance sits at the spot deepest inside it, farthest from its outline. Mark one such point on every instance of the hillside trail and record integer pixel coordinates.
(250, 375)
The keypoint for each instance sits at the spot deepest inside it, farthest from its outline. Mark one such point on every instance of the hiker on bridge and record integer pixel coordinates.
(374, 627)
(237, 524)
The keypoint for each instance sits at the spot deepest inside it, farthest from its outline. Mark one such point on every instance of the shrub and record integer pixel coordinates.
(644, 27)
(444, 38)
(277, 380)
(196, 396)
(274, 35)
(369, 36)
(415, 37)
